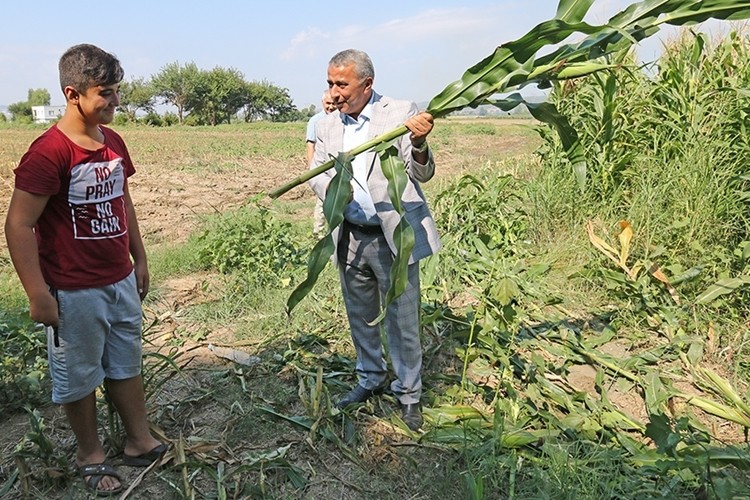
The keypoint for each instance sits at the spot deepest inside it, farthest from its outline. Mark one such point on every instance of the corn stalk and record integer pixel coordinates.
(517, 64)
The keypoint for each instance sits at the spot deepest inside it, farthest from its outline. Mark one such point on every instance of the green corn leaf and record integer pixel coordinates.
(394, 170)
(339, 192)
(722, 387)
(573, 11)
(337, 197)
(316, 262)
(456, 436)
(721, 287)
(718, 409)
(518, 438)
(452, 414)
(655, 392)
(546, 112)
(403, 235)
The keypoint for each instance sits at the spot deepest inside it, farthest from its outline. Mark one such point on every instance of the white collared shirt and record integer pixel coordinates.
(356, 131)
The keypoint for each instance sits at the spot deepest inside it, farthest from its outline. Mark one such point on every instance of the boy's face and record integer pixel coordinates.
(98, 103)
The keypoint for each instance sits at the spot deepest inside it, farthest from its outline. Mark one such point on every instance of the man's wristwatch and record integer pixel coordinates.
(421, 149)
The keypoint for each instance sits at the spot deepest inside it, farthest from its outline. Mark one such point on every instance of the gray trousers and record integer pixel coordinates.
(365, 262)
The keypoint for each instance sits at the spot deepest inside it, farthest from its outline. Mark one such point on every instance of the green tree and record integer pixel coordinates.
(220, 94)
(176, 85)
(38, 97)
(254, 101)
(270, 102)
(136, 94)
(21, 110)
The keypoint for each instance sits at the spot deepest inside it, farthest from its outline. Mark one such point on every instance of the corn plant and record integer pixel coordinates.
(668, 151)
(37, 452)
(511, 66)
(688, 450)
(516, 357)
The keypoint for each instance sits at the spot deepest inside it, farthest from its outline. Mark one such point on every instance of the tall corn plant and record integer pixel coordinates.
(511, 66)
(669, 153)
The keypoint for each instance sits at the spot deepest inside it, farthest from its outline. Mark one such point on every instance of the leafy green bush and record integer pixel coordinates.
(169, 119)
(253, 242)
(153, 119)
(23, 364)
(484, 205)
(120, 119)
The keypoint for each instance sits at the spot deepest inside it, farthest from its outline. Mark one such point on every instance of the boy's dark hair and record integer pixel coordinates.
(84, 66)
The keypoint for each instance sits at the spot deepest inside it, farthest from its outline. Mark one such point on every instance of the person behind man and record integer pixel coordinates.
(319, 220)
(364, 243)
(71, 229)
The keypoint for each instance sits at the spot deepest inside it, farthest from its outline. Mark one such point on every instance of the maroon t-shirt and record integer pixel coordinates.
(83, 230)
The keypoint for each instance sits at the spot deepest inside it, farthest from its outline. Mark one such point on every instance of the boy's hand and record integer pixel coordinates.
(142, 280)
(43, 309)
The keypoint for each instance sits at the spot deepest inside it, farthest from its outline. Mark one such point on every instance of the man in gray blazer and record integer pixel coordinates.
(364, 242)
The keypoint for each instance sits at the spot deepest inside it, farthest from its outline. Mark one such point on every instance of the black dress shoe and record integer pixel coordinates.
(411, 414)
(359, 395)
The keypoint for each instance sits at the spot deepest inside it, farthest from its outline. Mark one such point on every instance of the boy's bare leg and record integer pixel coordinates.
(82, 419)
(130, 401)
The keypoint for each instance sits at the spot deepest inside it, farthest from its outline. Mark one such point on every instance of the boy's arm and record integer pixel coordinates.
(137, 250)
(24, 211)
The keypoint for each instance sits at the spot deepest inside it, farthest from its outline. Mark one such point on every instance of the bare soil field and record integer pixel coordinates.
(184, 173)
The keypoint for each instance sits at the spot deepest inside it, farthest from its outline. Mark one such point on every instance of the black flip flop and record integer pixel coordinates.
(95, 473)
(145, 459)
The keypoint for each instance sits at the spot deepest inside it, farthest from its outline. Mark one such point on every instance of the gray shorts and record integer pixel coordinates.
(99, 336)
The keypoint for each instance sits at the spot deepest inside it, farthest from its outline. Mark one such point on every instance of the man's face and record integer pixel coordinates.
(350, 93)
(328, 104)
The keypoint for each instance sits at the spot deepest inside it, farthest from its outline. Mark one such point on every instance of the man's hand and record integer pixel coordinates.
(420, 126)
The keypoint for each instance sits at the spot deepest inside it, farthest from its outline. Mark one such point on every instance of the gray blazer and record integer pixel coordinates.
(387, 115)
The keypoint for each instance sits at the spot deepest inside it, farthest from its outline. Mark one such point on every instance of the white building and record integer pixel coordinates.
(46, 114)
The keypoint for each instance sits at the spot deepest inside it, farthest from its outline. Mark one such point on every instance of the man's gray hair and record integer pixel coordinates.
(362, 63)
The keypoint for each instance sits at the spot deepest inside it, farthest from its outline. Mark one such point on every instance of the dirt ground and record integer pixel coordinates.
(170, 201)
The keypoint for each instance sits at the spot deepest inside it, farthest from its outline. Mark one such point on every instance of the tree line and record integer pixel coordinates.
(200, 97)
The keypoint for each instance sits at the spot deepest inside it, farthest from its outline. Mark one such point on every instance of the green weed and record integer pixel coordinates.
(250, 240)
(23, 374)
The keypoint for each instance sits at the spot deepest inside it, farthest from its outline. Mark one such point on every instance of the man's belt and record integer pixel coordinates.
(363, 228)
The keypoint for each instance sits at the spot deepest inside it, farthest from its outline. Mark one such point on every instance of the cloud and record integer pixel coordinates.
(400, 33)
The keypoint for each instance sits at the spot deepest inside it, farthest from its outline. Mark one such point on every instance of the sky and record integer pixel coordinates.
(418, 47)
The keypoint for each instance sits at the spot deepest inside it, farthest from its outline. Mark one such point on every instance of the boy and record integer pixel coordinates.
(71, 230)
